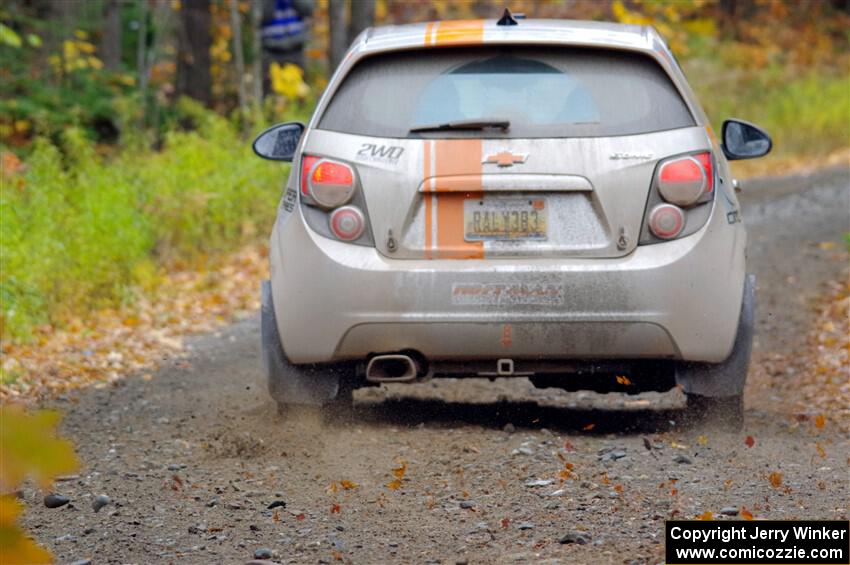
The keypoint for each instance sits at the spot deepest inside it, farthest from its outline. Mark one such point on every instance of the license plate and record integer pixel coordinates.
(502, 219)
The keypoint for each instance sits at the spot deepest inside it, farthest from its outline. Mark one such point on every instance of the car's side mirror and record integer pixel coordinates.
(278, 143)
(743, 140)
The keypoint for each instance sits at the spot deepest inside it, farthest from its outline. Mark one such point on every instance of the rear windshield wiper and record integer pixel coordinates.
(478, 124)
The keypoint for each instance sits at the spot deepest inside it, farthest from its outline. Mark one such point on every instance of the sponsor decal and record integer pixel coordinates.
(387, 154)
(507, 294)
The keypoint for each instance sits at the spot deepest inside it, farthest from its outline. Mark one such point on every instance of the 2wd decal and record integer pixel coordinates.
(389, 154)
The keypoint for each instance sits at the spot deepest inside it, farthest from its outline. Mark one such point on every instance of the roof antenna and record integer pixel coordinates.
(508, 19)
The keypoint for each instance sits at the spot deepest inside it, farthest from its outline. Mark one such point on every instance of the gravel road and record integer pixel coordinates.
(195, 457)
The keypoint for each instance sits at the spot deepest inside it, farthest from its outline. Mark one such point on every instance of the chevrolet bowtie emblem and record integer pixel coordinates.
(506, 158)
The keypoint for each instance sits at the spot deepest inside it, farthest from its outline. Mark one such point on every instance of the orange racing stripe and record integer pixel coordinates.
(456, 157)
(429, 204)
(428, 32)
(458, 32)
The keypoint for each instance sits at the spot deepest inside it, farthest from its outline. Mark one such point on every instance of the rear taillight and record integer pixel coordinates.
(705, 160)
(347, 223)
(682, 181)
(307, 163)
(666, 221)
(332, 201)
(330, 183)
(679, 201)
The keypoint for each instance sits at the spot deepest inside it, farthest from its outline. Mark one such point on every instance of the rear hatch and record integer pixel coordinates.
(504, 152)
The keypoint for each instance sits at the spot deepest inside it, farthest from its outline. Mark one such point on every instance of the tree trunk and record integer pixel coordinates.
(338, 32)
(110, 47)
(193, 56)
(257, 72)
(729, 18)
(142, 56)
(362, 17)
(239, 57)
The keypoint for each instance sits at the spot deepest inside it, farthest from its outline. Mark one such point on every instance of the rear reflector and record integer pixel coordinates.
(684, 180)
(330, 183)
(347, 223)
(666, 221)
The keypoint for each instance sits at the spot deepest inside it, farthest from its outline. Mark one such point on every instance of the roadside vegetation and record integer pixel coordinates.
(79, 229)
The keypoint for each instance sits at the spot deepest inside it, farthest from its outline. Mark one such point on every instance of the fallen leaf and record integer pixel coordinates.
(400, 470)
(707, 515)
(589, 427)
(745, 514)
(335, 509)
(677, 445)
(348, 485)
(569, 447)
(775, 479)
(300, 517)
(826, 245)
(702, 440)
(394, 484)
(276, 517)
(727, 484)
(336, 555)
(623, 380)
(618, 488)
(505, 523)
(750, 441)
(821, 450)
(820, 421)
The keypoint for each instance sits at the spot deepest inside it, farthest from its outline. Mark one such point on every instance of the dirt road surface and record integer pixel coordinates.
(192, 458)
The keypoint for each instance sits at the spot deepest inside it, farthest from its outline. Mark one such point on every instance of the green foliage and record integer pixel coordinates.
(79, 229)
(807, 114)
(42, 93)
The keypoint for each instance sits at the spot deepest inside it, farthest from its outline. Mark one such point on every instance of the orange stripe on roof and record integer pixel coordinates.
(428, 29)
(457, 157)
(428, 201)
(459, 32)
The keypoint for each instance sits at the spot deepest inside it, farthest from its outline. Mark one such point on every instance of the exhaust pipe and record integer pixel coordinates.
(395, 368)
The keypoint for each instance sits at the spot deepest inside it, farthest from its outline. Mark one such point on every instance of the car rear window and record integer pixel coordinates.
(553, 92)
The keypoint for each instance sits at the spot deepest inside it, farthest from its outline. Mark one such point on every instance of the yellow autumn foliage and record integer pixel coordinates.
(288, 80)
(28, 448)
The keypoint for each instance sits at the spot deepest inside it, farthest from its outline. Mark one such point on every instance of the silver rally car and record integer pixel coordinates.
(533, 198)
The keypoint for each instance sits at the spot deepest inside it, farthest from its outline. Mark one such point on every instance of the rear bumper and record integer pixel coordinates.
(674, 300)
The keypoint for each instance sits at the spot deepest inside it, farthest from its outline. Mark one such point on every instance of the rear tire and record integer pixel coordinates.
(326, 386)
(715, 392)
